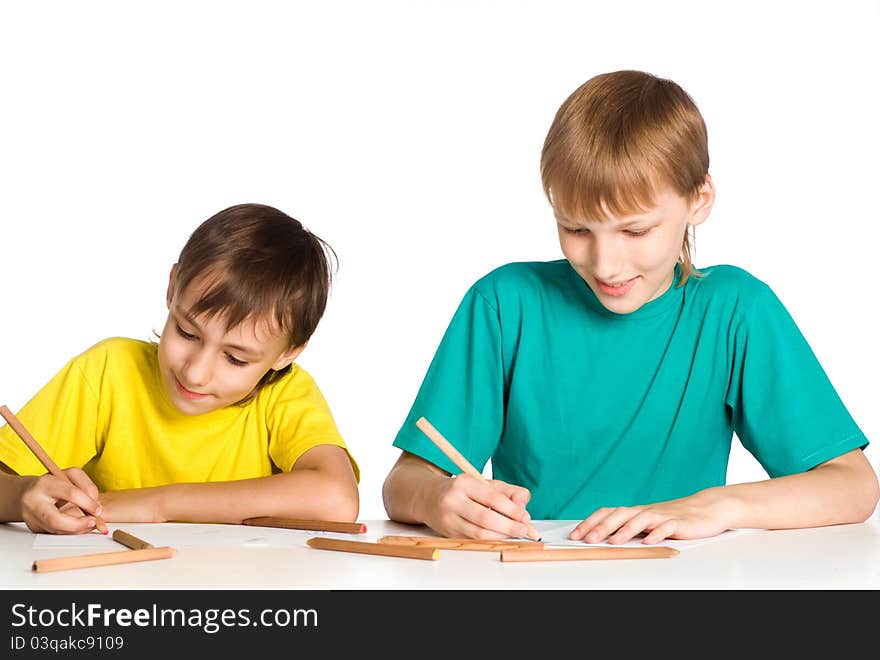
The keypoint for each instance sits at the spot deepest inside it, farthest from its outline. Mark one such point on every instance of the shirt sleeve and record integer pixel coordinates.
(462, 394)
(298, 419)
(62, 417)
(785, 410)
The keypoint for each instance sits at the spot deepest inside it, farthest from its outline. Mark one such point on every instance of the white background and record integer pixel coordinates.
(408, 135)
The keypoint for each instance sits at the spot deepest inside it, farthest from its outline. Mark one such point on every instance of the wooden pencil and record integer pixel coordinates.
(460, 461)
(42, 456)
(441, 543)
(368, 548)
(573, 554)
(313, 525)
(102, 559)
(130, 540)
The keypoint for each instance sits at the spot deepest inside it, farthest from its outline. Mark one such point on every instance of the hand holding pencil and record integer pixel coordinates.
(45, 500)
(491, 506)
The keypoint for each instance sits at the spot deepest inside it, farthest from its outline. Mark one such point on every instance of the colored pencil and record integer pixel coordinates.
(460, 461)
(102, 559)
(314, 525)
(130, 540)
(368, 548)
(572, 554)
(442, 543)
(42, 456)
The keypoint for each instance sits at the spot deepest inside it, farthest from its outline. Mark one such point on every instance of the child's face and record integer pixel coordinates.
(630, 260)
(205, 367)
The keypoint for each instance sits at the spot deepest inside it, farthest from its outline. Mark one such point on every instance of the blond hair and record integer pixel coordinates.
(615, 140)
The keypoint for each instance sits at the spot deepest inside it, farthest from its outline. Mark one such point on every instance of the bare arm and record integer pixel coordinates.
(416, 491)
(841, 490)
(321, 486)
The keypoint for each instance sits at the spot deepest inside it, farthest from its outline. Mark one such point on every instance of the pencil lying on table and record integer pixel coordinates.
(570, 554)
(460, 461)
(368, 548)
(102, 559)
(442, 543)
(130, 540)
(42, 456)
(314, 525)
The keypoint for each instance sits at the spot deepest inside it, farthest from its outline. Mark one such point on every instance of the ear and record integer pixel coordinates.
(288, 356)
(169, 295)
(702, 205)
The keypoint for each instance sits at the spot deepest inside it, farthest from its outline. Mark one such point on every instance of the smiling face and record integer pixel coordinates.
(628, 261)
(206, 366)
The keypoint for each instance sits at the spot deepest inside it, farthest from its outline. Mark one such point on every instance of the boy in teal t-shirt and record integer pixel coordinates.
(608, 386)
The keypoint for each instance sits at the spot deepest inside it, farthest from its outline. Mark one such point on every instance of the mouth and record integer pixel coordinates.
(617, 289)
(188, 394)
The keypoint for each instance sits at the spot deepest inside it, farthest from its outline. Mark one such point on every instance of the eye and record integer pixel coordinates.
(577, 231)
(235, 361)
(183, 333)
(636, 232)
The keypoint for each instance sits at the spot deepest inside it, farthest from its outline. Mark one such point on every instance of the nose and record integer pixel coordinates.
(197, 369)
(606, 257)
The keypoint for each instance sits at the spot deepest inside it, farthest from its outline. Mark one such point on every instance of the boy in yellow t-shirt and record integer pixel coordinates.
(215, 423)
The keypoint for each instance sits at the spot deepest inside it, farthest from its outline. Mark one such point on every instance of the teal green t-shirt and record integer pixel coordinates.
(588, 408)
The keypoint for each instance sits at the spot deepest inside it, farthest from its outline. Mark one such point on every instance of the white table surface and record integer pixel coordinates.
(836, 557)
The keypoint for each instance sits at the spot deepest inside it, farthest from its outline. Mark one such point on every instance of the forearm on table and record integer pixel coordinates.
(831, 494)
(304, 493)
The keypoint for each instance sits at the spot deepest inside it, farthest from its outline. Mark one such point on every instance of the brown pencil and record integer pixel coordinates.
(571, 554)
(441, 543)
(460, 461)
(130, 540)
(314, 525)
(102, 559)
(41, 455)
(368, 548)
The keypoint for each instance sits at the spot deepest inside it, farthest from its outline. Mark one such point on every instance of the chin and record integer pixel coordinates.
(622, 308)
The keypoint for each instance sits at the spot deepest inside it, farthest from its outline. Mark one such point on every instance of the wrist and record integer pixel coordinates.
(423, 496)
(725, 506)
(162, 503)
(18, 486)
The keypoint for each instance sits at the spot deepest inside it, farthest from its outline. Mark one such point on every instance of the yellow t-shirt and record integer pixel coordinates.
(108, 412)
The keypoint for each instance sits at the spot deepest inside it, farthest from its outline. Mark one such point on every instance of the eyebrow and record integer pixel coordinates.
(624, 225)
(237, 347)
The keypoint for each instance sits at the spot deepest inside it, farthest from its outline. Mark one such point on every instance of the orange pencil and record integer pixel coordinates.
(575, 554)
(130, 540)
(102, 559)
(460, 461)
(42, 456)
(369, 548)
(443, 543)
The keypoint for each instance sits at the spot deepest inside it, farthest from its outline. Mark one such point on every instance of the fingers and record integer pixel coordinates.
(622, 524)
(506, 499)
(617, 525)
(41, 511)
(518, 494)
(491, 524)
(82, 481)
(661, 532)
(76, 496)
(48, 519)
(473, 508)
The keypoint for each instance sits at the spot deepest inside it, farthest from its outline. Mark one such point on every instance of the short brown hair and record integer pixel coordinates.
(615, 139)
(256, 262)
